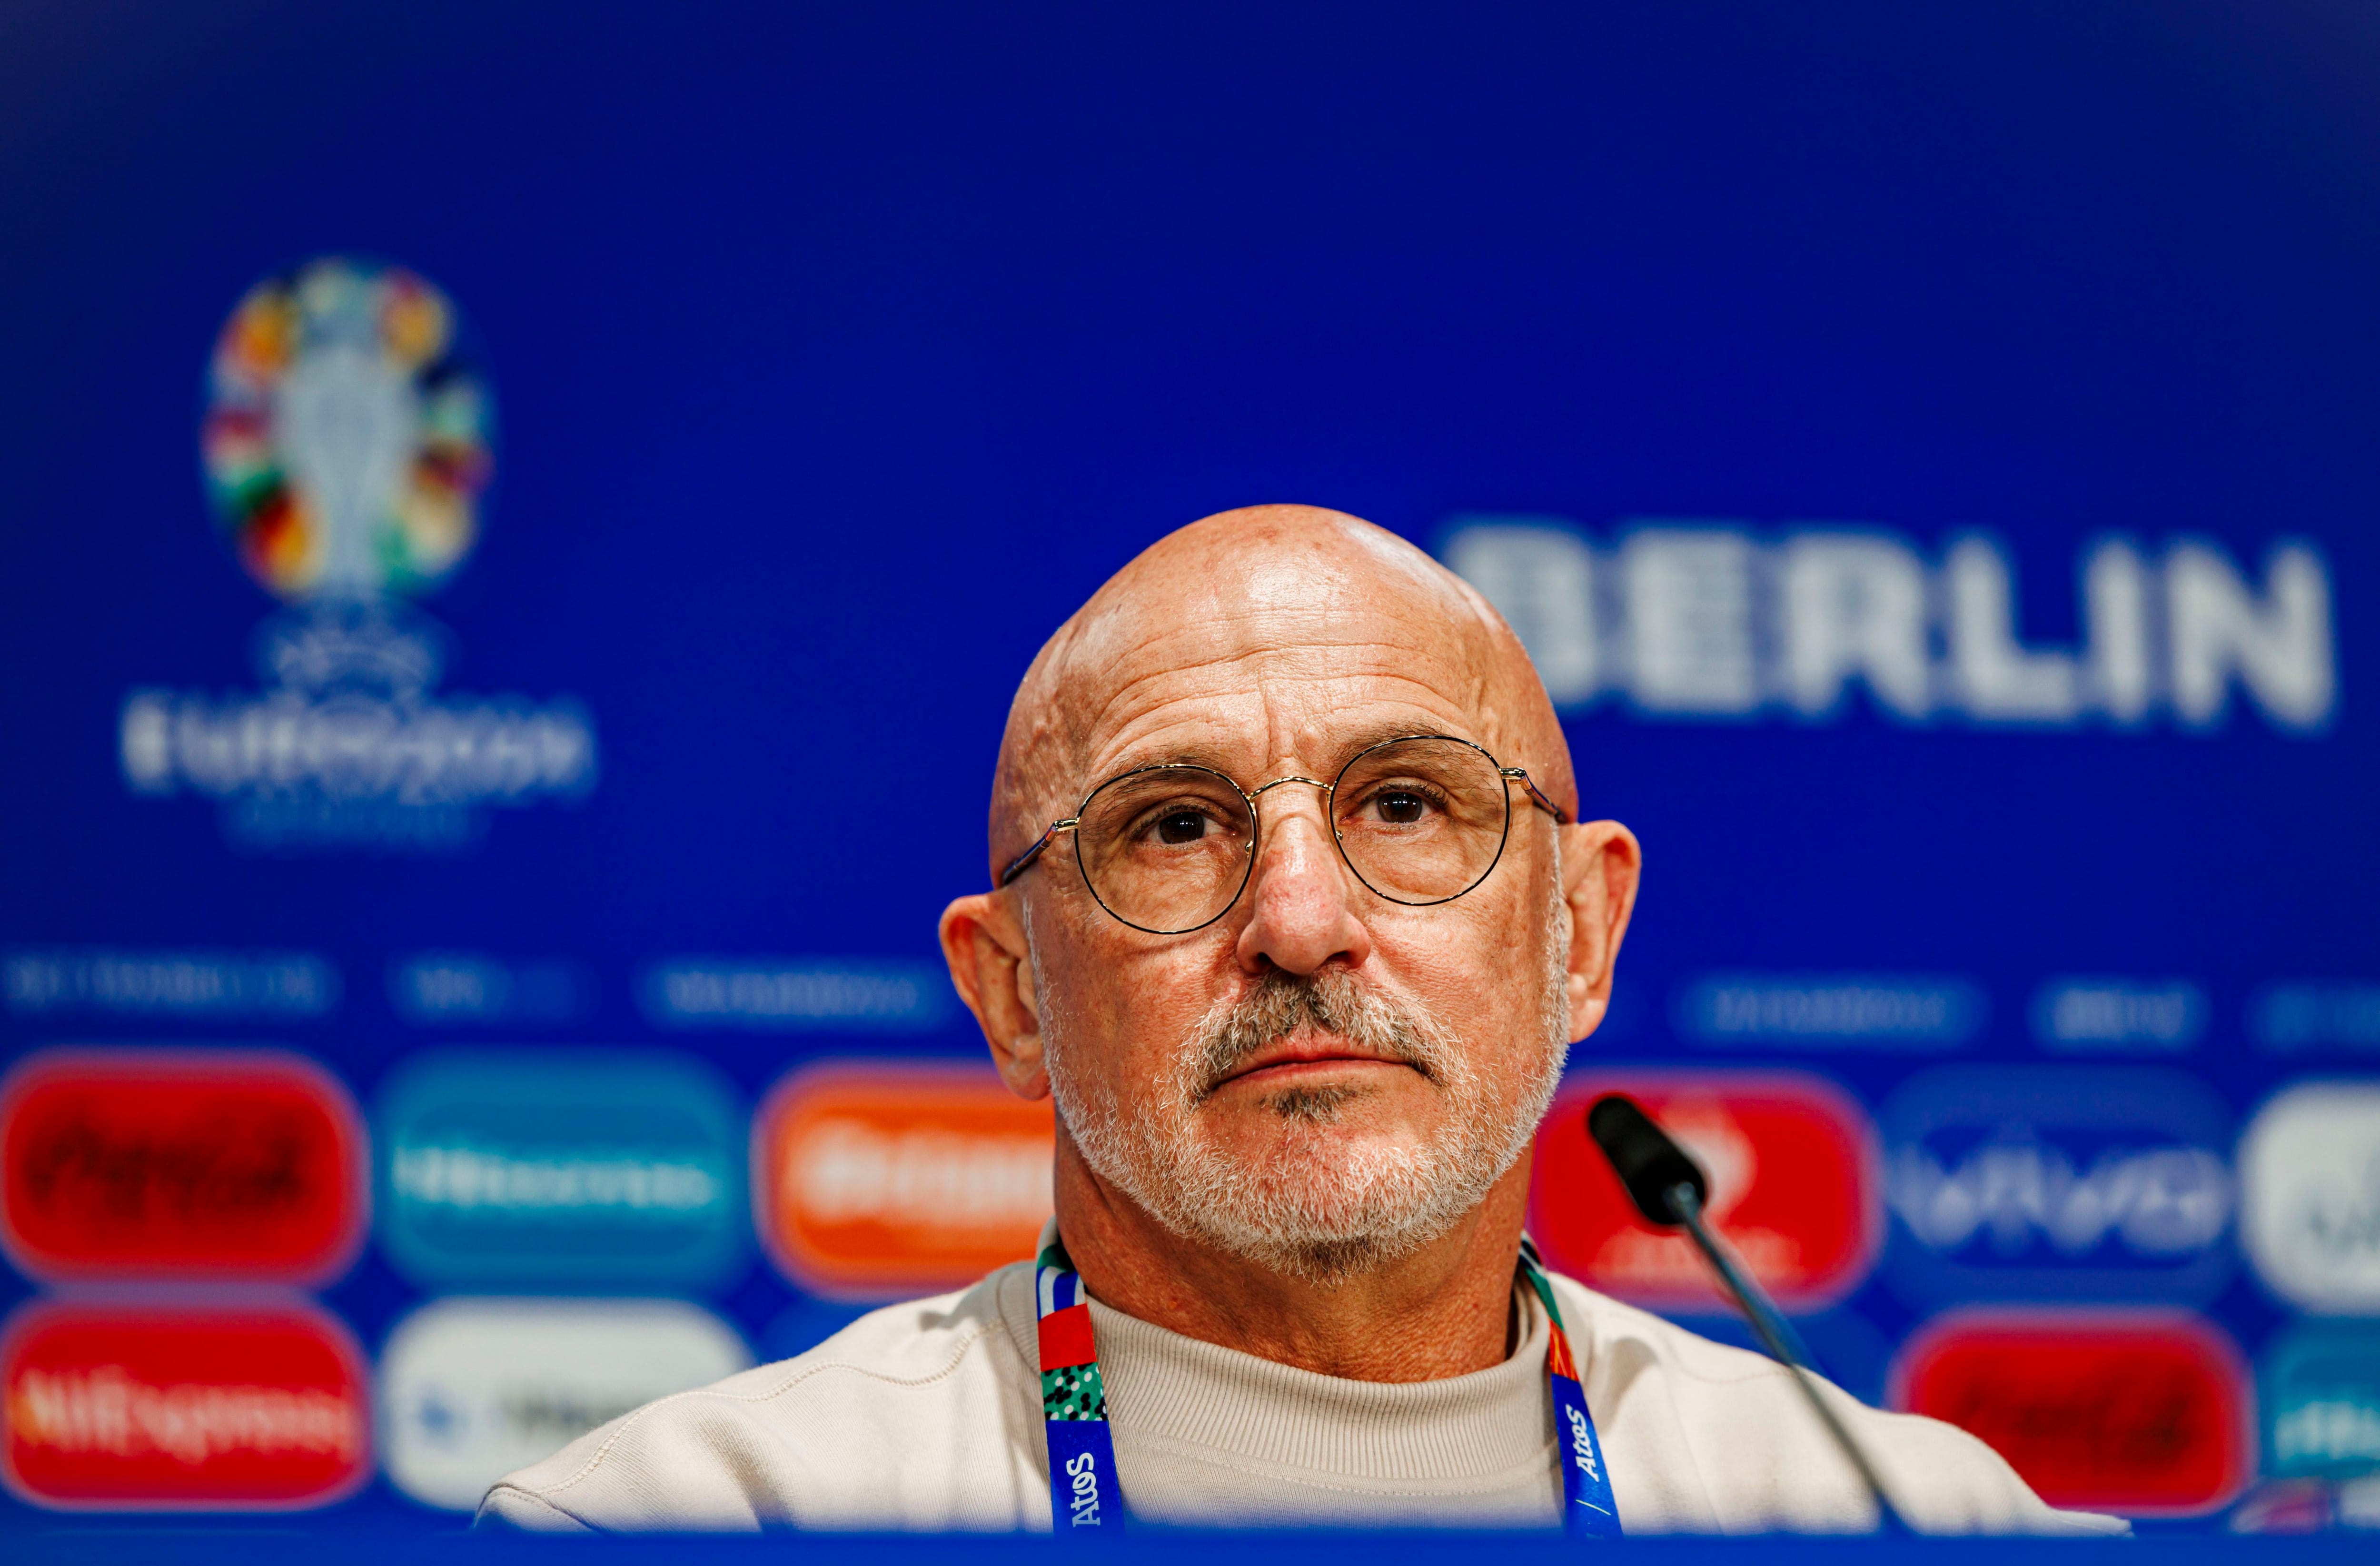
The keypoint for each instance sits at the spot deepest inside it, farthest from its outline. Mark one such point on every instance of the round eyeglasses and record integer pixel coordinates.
(1168, 849)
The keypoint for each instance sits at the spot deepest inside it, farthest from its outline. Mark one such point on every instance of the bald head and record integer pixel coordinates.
(1254, 627)
(1332, 1075)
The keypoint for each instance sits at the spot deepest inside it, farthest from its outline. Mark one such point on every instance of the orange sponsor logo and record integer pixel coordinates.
(881, 1180)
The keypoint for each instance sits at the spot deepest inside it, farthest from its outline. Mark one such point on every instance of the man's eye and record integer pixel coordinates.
(1400, 808)
(1181, 826)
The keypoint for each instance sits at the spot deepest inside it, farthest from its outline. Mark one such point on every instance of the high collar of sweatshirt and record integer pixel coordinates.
(1175, 1389)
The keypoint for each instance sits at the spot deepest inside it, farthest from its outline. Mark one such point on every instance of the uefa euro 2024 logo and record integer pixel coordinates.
(348, 445)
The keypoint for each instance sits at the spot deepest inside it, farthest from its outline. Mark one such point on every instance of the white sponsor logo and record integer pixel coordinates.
(2119, 1015)
(1721, 622)
(847, 1171)
(2327, 1431)
(792, 996)
(1582, 1443)
(473, 1389)
(468, 1178)
(351, 747)
(1083, 1479)
(189, 984)
(2310, 1185)
(1876, 1010)
(108, 1410)
(2154, 1201)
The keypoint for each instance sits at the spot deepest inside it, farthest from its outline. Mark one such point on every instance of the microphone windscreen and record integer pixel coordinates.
(1647, 1162)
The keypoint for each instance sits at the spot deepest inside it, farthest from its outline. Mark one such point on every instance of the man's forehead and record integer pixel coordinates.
(1240, 692)
(1260, 634)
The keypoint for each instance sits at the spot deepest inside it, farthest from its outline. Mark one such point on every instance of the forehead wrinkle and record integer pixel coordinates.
(1257, 674)
(1336, 744)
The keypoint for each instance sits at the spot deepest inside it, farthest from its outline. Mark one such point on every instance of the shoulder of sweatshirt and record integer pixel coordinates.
(1764, 1459)
(847, 1434)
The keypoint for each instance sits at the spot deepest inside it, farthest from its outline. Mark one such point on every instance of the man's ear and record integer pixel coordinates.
(1600, 863)
(983, 941)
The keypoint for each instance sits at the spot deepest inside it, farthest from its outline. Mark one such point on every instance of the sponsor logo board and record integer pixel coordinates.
(2137, 1412)
(561, 1170)
(2320, 1384)
(1792, 1173)
(257, 1407)
(884, 1180)
(193, 1164)
(471, 1389)
(2310, 1195)
(2057, 1183)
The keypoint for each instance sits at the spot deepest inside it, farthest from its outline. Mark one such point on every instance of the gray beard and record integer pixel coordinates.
(1312, 1207)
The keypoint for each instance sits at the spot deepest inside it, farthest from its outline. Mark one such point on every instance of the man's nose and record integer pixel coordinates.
(1301, 896)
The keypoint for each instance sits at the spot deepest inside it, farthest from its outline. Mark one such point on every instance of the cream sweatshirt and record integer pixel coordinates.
(928, 1416)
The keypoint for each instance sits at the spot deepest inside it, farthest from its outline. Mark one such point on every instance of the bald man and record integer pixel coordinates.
(1292, 916)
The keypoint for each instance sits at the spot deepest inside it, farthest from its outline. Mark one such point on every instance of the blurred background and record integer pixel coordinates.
(523, 522)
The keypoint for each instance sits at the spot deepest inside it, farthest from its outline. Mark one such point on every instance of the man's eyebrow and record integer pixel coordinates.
(1189, 753)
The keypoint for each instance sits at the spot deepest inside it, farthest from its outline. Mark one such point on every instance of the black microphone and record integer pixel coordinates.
(1648, 1164)
(1669, 1189)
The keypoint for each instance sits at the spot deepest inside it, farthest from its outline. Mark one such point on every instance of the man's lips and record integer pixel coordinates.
(1307, 1056)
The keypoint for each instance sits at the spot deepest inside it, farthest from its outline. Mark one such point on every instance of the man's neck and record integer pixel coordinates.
(1445, 1309)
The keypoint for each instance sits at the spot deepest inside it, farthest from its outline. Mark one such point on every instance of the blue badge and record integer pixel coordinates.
(2048, 1183)
(587, 1171)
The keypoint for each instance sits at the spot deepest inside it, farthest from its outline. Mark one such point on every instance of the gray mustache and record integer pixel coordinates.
(1330, 1002)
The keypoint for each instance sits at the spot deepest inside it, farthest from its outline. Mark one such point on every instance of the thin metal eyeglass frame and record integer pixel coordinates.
(1024, 861)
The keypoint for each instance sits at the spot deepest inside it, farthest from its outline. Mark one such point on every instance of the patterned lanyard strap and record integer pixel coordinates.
(1085, 1498)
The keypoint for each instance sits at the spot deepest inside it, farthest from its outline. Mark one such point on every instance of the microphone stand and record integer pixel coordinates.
(1777, 1335)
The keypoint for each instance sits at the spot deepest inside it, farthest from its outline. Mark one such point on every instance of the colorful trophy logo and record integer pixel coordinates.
(348, 452)
(347, 437)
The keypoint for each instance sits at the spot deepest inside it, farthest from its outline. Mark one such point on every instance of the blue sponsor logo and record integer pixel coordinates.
(205, 986)
(2057, 1181)
(589, 1171)
(466, 990)
(796, 995)
(2320, 1395)
(2286, 1018)
(1893, 1012)
(2118, 1016)
(1081, 1455)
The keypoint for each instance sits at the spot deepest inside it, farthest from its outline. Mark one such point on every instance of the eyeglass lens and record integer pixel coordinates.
(1168, 849)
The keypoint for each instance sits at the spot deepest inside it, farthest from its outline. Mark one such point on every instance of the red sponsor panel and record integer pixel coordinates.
(1792, 1170)
(875, 1181)
(2132, 1411)
(211, 1164)
(115, 1407)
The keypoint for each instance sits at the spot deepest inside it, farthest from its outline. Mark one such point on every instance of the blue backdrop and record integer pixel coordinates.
(836, 352)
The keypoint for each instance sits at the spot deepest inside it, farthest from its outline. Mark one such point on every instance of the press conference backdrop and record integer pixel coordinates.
(523, 522)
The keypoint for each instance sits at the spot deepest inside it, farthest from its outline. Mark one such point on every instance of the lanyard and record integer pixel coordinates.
(1083, 1493)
